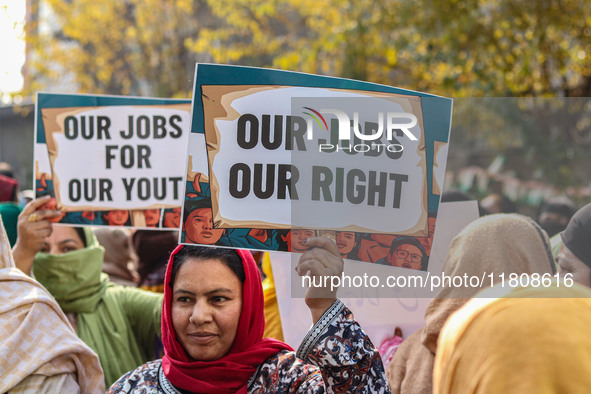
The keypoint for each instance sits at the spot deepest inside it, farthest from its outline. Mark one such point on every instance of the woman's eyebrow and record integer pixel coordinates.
(219, 290)
(68, 240)
(184, 292)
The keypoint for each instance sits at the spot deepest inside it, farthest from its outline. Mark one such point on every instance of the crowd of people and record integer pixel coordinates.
(89, 309)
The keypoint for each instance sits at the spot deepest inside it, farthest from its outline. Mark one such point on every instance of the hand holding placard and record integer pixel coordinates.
(322, 261)
(34, 225)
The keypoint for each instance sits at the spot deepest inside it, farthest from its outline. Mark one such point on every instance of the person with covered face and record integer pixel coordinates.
(490, 246)
(120, 323)
(212, 331)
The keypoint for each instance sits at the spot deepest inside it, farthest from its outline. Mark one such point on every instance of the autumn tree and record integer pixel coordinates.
(502, 47)
(116, 47)
(472, 48)
(331, 37)
(449, 47)
(455, 48)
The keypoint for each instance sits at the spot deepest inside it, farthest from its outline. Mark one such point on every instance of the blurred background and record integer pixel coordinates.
(519, 71)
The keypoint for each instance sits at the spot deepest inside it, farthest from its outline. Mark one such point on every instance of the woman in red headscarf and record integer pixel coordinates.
(212, 328)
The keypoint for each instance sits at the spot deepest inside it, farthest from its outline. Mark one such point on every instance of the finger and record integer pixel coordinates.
(33, 205)
(32, 226)
(326, 257)
(302, 268)
(42, 232)
(321, 255)
(46, 214)
(324, 243)
(311, 268)
(36, 234)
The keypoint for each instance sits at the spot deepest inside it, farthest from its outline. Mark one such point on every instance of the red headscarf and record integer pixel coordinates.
(7, 188)
(229, 374)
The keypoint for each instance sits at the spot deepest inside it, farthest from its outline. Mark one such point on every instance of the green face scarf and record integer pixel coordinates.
(74, 278)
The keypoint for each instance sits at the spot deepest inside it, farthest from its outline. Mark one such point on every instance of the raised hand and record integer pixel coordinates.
(321, 262)
(33, 227)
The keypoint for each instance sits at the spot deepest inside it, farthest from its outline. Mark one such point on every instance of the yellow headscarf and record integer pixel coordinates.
(525, 340)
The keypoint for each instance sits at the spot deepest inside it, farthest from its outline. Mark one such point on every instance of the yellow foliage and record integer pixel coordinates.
(471, 48)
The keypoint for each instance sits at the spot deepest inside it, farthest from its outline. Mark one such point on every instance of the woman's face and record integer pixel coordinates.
(62, 240)
(206, 306)
(571, 264)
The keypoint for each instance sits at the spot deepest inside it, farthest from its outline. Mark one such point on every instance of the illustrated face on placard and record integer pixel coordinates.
(296, 238)
(152, 217)
(406, 256)
(199, 229)
(172, 218)
(345, 242)
(117, 217)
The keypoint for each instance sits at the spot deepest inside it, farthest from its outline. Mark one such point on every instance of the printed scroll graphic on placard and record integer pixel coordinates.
(287, 161)
(112, 164)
